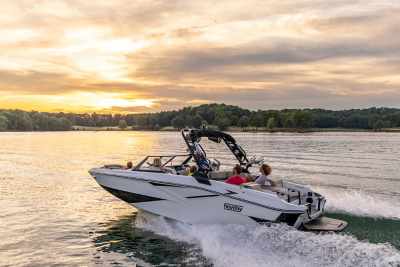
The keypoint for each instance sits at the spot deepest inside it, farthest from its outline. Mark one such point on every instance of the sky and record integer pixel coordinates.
(125, 56)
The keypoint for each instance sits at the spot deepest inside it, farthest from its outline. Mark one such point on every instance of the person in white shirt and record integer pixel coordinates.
(265, 170)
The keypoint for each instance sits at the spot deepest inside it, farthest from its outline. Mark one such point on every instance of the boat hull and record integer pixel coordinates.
(183, 198)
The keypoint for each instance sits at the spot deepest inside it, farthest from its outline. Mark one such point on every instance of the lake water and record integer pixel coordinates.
(53, 213)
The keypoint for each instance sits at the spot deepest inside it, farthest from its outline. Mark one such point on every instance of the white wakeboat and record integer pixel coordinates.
(205, 198)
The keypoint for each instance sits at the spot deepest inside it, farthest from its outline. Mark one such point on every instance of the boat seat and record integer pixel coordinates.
(279, 190)
(222, 175)
(273, 188)
(259, 187)
(185, 172)
(170, 170)
(217, 174)
(113, 166)
(252, 185)
(275, 182)
(293, 195)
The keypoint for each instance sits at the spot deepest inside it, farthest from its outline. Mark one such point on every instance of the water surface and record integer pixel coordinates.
(55, 214)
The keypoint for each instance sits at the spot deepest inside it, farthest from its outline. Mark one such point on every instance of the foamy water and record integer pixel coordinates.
(355, 202)
(244, 245)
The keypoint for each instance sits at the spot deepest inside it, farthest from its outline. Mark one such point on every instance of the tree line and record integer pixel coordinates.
(220, 115)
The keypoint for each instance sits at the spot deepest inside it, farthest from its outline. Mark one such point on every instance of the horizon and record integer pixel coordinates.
(146, 56)
(138, 113)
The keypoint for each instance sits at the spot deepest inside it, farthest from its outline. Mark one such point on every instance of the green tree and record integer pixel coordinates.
(135, 127)
(178, 122)
(234, 120)
(273, 114)
(295, 118)
(54, 124)
(197, 121)
(305, 118)
(243, 122)
(143, 121)
(374, 118)
(157, 127)
(388, 124)
(9, 116)
(288, 123)
(96, 118)
(18, 120)
(251, 118)
(65, 124)
(41, 120)
(283, 120)
(204, 122)
(379, 125)
(216, 121)
(122, 124)
(257, 121)
(3, 123)
(189, 121)
(271, 123)
(223, 124)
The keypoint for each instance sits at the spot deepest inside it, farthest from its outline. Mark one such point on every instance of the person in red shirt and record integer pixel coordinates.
(236, 179)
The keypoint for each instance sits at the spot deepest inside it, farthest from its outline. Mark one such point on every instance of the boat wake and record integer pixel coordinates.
(358, 204)
(244, 245)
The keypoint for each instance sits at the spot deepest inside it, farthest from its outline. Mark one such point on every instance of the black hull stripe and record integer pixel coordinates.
(161, 183)
(130, 197)
(204, 196)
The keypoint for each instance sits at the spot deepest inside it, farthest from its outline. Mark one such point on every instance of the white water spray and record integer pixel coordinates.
(244, 245)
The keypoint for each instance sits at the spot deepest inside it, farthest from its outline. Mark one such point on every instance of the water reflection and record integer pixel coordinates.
(120, 241)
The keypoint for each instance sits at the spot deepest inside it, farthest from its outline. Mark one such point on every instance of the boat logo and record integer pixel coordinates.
(232, 207)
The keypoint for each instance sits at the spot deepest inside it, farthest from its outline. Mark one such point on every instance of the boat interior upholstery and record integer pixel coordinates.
(276, 186)
(215, 175)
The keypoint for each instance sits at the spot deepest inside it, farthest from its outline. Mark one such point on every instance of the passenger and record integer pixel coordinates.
(236, 179)
(249, 178)
(193, 169)
(157, 165)
(203, 163)
(265, 170)
(128, 165)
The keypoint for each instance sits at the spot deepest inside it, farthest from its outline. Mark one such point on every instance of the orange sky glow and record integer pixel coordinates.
(146, 56)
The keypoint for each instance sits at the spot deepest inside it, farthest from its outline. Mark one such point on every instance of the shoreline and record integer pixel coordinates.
(320, 130)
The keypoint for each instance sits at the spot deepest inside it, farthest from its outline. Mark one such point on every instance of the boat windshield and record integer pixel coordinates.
(176, 162)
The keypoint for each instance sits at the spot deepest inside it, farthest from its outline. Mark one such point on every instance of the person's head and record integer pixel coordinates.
(237, 169)
(129, 165)
(157, 162)
(265, 169)
(193, 169)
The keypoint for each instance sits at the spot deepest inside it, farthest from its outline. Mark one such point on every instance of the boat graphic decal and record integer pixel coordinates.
(230, 192)
(159, 184)
(232, 207)
(204, 196)
(130, 197)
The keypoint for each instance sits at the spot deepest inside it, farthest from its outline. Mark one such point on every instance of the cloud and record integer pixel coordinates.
(328, 54)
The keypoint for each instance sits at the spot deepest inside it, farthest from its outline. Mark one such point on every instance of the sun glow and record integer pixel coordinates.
(80, 102)
(102, 101)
